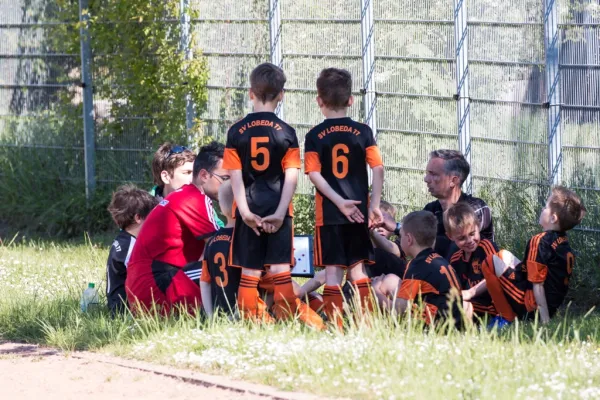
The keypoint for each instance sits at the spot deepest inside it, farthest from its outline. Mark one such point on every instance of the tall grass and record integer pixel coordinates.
(376, 357)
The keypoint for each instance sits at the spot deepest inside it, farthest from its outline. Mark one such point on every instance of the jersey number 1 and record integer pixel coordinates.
(255, 151)
(339, 156)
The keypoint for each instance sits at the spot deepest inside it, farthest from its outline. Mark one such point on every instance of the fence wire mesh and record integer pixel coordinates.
(414, 75)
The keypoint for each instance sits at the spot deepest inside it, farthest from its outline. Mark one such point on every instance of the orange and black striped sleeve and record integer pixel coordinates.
(231, 159)
(488, 247)
(537, 249)
(205, 275)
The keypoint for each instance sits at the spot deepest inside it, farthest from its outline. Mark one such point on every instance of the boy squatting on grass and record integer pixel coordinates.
(462, 227)
(220, 282)
(128, 208)
(337, 152)
(429, 279)
(263, 157)
(541, 282)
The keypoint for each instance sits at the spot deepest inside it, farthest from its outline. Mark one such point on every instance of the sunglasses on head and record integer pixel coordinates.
(176, 150)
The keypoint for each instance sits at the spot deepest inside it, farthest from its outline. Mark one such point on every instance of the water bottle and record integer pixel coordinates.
(89, 298)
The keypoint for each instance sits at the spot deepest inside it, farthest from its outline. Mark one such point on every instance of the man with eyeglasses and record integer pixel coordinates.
(164, 269)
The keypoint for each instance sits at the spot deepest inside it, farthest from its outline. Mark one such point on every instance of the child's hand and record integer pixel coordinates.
(375, 217)
(350, 210)
(253, 221)
(272, 223)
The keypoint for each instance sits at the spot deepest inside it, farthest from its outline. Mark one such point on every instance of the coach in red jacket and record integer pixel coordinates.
(164, 269)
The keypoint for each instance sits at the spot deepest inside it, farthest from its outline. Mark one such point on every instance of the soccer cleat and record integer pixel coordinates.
(498, 323)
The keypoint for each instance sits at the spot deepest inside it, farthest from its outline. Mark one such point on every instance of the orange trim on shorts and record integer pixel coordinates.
(312, 163)
(231, 160)
(374, 157)
(291, 159)
(318, 209)
(497, 293)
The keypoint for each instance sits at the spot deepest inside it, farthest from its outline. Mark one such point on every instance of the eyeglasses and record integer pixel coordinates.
(176, 150)
(221, 178)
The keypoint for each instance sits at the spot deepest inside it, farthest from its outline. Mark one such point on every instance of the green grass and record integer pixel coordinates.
(40, 284)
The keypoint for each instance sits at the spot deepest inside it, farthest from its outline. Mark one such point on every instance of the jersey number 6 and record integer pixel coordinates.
(339, 157)
(220, 260)
(255, 151)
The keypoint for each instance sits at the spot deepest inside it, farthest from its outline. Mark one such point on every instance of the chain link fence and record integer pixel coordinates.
(515, 85)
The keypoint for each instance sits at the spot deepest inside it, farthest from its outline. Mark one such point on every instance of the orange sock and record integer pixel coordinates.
(333, 301)
(248, 296)
(315, 302)
(496, 293)
(363, 288)
(284, 297)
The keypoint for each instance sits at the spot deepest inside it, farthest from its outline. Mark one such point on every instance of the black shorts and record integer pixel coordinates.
(483, 305)
(257, 252)
(342, 245)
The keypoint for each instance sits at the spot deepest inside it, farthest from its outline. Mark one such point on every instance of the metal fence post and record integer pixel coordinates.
(88, 99)
(368, 61)
(461, 35)
(552, 47)
(275, 40)
(185, 47)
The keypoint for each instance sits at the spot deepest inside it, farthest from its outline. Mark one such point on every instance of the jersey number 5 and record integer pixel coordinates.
(255, 151)
(339, 155)
(220, 261)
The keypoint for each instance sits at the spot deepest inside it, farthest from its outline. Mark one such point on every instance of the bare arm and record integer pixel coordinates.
(206, 294)
(540, 299)
(475, 291)
(239, 194)
(384, 244)
(312, 284)
(347, 207)
(375, 216)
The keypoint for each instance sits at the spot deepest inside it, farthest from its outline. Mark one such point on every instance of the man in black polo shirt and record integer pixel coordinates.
(445, 174)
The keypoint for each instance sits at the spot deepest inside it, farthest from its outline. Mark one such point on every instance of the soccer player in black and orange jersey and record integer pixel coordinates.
(541, 282)
(219, 282)
(462, 227)
(429, 278)
(337, 152)
(263, 156)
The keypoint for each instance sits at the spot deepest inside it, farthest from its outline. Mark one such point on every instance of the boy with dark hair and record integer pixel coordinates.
(171, 169)
(462, 227)
(541, 282)
(128, 208)
(337, 152)
(429, 278)
(263, 157)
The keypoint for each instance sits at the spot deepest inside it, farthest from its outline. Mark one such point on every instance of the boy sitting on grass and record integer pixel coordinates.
(429, 280)
(128, 208)
(462, 227)
(219, 282)
(541, 282)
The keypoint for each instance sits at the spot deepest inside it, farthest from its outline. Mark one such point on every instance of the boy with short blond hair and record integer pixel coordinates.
(462, 227)
(263, 156)
(541, 282)
(128, 208)
(337, 152)
(429, 278)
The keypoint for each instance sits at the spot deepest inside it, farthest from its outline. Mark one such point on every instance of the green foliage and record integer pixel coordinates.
(304, 214)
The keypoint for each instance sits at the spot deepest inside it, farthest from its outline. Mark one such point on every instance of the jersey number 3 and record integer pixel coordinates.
(339, 156)
(220, 261)
(256, 151)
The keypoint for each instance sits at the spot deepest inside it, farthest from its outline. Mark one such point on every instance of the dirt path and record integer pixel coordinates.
(32, 372)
